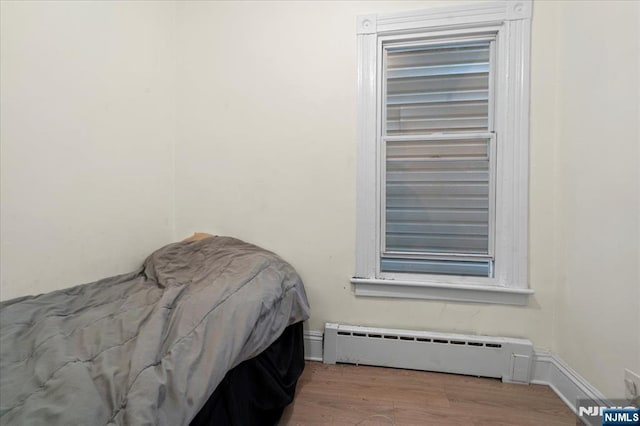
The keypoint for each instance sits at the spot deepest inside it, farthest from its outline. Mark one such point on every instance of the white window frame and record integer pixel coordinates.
(509, 22)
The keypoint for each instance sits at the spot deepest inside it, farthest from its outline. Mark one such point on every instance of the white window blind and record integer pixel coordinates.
(438, 146)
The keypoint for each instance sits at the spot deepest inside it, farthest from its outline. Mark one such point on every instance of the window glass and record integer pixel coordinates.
(439, 88)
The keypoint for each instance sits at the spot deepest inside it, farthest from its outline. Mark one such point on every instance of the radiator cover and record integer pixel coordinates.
(501, 357)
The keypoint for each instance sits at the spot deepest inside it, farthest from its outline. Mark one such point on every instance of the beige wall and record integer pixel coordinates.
(267, 152)
(266, 123)
(598, 284)
(88, 124)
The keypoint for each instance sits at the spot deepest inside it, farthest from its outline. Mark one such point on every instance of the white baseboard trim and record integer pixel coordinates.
(313, 345)
(551, 370)
(548, 369)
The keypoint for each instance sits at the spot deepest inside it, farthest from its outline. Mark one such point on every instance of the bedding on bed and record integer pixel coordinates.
(147, 347)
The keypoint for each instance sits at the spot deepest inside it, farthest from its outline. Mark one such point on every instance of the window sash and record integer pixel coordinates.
(395, 267)
(491, 138)
(384, 138)
(421, 81)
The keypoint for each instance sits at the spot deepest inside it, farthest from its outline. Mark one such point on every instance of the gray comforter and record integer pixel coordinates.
(148, 347)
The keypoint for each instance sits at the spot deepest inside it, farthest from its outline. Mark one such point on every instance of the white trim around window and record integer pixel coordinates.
(508, 25)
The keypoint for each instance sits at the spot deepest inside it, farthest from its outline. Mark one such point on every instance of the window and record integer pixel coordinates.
(443, 154)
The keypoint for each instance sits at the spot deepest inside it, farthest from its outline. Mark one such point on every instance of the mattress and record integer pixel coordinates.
(148, 347)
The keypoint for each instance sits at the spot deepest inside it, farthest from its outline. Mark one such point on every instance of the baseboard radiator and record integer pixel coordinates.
(501, 357)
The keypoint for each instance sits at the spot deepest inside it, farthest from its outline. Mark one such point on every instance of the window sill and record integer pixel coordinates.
(437, 291)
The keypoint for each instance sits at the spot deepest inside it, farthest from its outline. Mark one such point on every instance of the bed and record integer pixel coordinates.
(205, 332)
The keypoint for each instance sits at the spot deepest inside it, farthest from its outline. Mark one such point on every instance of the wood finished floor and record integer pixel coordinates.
(361, 395)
